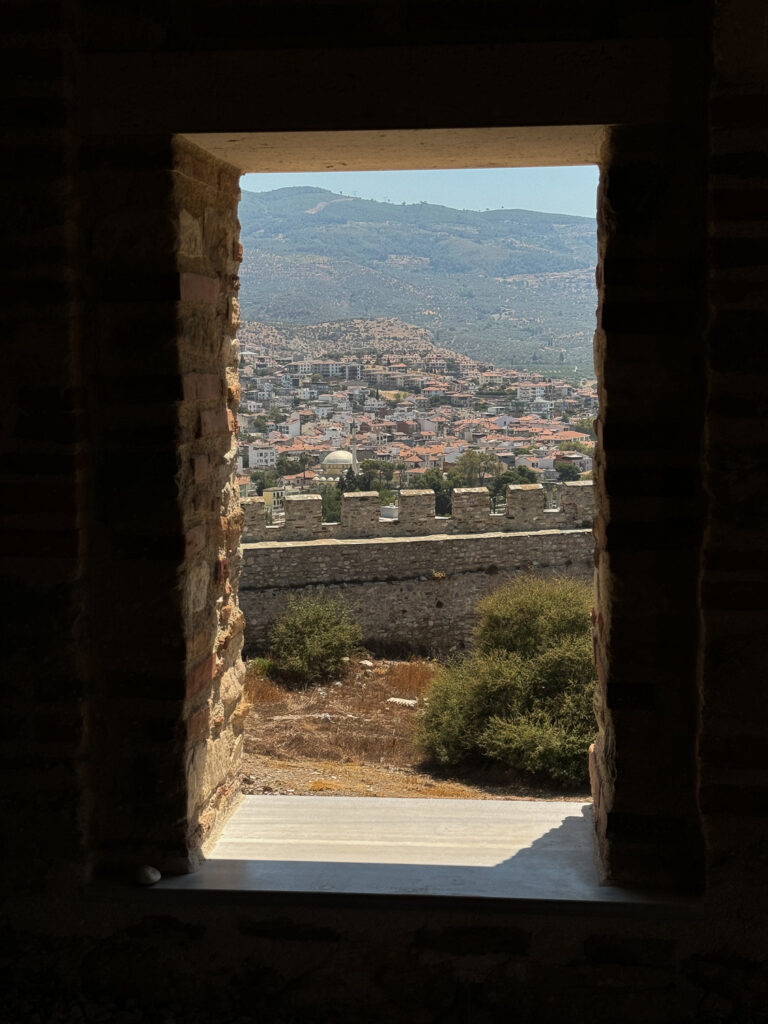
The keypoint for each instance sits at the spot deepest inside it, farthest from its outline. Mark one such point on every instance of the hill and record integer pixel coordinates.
(513, 287)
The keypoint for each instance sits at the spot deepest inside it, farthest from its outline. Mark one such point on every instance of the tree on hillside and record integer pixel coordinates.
(567, 471)
(373, 473)
(468, 468)
(263, 478)
(585, 426)
(304, 461)
(473, 467)
(331, 499)
(499, 484)
(576, 446)
(435, 481)
(285, 466)
(487, 466)
(348, 482)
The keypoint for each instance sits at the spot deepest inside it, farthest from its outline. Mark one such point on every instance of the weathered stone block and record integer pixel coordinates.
(201, 676)
(190, 241)
(195, 540)
(201, 386)
(215, 421)
(360, 514)
(577, 502)
(303, 515)
(471, 508)
(255, 519)
(198, 288)
(415, 507)
(525, 505)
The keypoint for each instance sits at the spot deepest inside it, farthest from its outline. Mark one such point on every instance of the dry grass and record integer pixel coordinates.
(258, 688)
(346, 739)
(410, 679)
(349, 720)
(330, 778)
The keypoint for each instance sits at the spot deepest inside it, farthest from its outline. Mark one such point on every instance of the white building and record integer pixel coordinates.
(261, 456)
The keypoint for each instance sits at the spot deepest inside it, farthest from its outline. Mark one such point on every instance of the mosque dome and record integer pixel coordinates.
(339, 460)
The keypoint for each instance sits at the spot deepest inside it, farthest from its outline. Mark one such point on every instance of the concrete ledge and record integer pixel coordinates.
(538, 850)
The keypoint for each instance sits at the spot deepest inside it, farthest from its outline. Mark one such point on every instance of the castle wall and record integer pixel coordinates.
(408, 593)
(526, 509)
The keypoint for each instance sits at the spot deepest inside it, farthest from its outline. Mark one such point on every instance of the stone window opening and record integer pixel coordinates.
(627, 836)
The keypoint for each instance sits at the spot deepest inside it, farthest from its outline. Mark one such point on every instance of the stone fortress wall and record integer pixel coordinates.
(528, 507)
(412, 583)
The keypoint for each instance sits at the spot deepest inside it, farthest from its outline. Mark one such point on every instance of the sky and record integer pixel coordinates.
(547, 189)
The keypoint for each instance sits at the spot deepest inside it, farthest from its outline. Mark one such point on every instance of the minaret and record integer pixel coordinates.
(353, 446)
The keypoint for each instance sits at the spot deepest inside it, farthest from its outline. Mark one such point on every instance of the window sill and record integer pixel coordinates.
(533, 852)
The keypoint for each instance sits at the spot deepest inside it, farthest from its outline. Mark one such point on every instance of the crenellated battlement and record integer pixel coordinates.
(528, 508)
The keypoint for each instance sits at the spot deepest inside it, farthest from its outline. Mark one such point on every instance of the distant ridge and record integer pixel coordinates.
(512, 287)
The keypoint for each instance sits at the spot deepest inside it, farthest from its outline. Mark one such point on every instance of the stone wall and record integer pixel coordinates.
(410, 594)
(649, 501)
(566, 506)
(209, 253)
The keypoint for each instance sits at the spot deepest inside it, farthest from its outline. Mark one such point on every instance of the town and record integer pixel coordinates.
(377, 405)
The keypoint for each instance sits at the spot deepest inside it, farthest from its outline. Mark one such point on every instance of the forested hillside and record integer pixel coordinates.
(511, 286)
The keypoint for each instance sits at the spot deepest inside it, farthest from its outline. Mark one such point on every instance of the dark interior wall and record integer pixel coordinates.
(734, 726)
(44, 451)
(94, 569)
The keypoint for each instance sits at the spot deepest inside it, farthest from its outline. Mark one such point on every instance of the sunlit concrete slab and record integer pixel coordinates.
(496, 849)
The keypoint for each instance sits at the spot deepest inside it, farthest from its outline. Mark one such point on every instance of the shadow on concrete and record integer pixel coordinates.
(558, 865)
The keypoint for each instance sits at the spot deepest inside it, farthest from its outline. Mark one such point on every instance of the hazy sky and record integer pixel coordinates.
(549, 189)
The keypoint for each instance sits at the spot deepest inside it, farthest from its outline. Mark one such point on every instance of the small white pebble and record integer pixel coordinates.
(367, 664)
(145, 874)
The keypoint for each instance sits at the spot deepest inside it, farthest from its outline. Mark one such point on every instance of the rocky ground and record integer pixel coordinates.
(358, 736)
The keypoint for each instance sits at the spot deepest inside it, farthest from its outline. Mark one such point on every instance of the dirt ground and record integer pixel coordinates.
(357, 736)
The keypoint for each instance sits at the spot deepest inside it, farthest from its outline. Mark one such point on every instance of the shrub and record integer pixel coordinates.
(464, 696)
(310, 640)
(554, 722)
(530, 616)
(524, 699)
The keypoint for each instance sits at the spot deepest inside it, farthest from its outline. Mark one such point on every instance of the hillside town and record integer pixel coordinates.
(400, 413)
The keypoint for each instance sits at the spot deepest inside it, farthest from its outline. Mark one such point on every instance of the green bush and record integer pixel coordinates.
(310, 640)
(463, 697)
(527, 705)
(531, 616)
